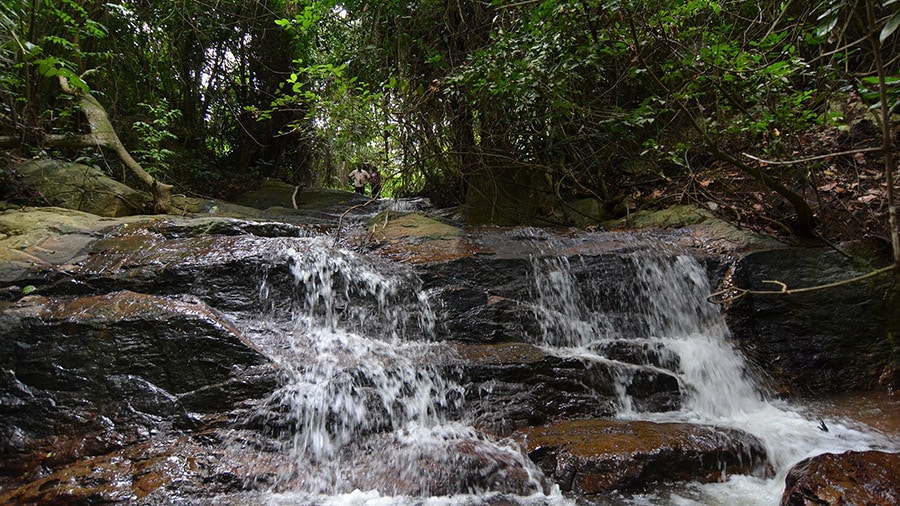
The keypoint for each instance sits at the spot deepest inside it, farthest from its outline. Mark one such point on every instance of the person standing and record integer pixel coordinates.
(375, 181)
(358, 178)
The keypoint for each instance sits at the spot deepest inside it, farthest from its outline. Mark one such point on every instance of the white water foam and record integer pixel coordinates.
(674, 313)
(362, 400)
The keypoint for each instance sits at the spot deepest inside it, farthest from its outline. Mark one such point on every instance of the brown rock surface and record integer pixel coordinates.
(863, 478)
(590, 457)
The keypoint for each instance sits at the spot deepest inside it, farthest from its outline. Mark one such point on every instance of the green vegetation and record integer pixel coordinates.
(154, 134)
(516, 109)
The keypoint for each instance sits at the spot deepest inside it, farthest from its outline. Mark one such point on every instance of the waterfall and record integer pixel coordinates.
(364, 401)
(655, 300)
(659, 305)
(367, 414)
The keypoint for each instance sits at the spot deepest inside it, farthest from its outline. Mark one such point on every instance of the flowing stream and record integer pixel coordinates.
(672, 316)
(365, 407)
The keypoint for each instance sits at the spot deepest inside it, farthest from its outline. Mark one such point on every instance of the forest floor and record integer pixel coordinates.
(838, 170)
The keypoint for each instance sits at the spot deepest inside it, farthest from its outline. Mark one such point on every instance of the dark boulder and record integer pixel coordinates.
(591, 457)
(838, 339)
(458, 461)
(514, 385)
(869, 477)
(113, 369)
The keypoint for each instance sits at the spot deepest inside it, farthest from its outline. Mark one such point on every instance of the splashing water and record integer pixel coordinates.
(363, 405)
(662, 307)
(363, 409)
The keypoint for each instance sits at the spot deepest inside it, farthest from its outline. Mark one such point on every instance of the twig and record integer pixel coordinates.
(784, 290)
(294, 196)
(337, 236)
(812, 158)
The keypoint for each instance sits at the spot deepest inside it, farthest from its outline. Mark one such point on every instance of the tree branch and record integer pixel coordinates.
(803, 225)
(811, 158)
(103, 135)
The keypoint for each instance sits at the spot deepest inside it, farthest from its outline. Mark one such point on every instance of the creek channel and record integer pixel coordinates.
(374, 407)
(212, 361)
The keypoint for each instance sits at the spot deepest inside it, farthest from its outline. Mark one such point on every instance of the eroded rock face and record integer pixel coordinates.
(514, 385)
(83, 376)
(591, 457)
(869, 477)
(827, 341)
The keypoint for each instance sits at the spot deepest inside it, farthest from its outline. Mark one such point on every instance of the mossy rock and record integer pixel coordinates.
(585, 212)
(82, 188)
(280, 195)
(413, 225)
(673, 217)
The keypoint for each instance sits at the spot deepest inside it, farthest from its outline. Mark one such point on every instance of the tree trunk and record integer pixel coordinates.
(103, 135)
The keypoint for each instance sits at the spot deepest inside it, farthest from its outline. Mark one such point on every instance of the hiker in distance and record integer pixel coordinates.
(358, 178)
(375, 181)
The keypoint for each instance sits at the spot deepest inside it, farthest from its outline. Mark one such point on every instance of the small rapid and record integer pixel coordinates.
(366, 414)
(369, 412)
(667, 311)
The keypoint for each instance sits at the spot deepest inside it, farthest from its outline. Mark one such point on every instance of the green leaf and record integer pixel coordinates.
(828, 25)
(28, 289)
(890, 26)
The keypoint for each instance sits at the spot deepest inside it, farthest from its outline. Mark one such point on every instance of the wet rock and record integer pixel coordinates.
(175, 470)
(493, 298)
(834, 340)
(120, 365)
(456, 462)
(514, 385)
(591, 457)
(179, 259)
(33, 241)
(869, 477)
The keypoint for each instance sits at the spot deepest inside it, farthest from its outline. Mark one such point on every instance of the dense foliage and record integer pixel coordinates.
(516, 108)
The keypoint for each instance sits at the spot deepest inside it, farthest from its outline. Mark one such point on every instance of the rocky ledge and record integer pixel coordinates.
(120, 356)
(869, 477)
(592, 457)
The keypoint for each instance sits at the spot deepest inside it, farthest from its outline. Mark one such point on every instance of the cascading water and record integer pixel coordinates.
(660, 306)
(663, 310)
(366, 415)
(363, 405)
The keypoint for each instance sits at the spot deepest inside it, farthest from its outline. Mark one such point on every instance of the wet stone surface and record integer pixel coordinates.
(130, 374)
(869, 477)
(591, 457)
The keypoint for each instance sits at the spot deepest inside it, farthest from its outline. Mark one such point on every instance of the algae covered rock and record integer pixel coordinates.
(82, 188)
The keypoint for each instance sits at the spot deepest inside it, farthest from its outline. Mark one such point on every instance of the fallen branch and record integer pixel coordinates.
(103, 135)
(731, 294)
(811, 158)
(337, 236)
